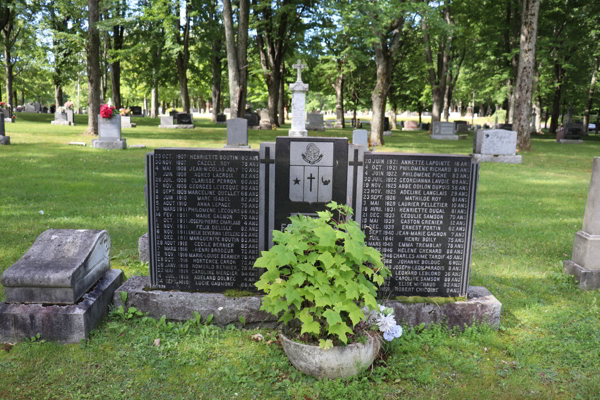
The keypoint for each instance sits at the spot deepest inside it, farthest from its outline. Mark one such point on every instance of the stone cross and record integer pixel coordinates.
(299, 67)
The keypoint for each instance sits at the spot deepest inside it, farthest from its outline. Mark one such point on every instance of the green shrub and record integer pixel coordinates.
(320, 272)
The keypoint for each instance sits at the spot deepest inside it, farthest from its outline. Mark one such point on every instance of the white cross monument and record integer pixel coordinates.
(298, 90)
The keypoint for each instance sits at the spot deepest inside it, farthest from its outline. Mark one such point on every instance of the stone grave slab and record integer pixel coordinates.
(184, 119)
(253, 119)
(203, 219)
(136, 111)
(126, 122)
(315, 122)
(265, 121)
(173, 122)
(360, 137)
(444, 131)
(585, 263)
(410, 126)
(59, 267)
(109, 134)
(61, 323)
(4, 140)
(496, 145)
(237, 133)
(418, 211)
(299, 90)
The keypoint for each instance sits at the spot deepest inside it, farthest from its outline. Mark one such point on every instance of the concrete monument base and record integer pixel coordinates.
(60, 123)
(120, 144)
(181, 306)
(570, 141)
(4, 140)
(132, 125)
(497, 158)
(65, 324)
(444, 137)
(481, 307)
(387, 133)
(588, 279)
(315, 128)
(298, 133)
(187, 126)
(586, 250)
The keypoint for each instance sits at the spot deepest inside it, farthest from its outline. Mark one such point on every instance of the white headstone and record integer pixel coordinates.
(360, 137)
(496, 142)
(443, 128)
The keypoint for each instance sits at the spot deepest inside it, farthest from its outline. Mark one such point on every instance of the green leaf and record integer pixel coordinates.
(293, 297)
(333, 317)
(123, 296)
(325, 344)
(326, 235)
(356, 316)
(297, 279)
(308, 325)
(327, 260)
(354, 249)
(340, 330)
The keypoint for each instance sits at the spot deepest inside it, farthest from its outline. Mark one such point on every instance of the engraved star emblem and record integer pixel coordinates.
(296, 181)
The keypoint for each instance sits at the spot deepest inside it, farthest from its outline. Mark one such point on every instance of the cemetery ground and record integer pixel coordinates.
(548, 345)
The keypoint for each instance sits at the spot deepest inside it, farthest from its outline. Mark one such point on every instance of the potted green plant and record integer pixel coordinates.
(322, 279)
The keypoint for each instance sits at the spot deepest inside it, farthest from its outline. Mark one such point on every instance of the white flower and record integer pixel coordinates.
(220, 308)
(392, 333)
(385, 322)
(42, 212)
(381, 308)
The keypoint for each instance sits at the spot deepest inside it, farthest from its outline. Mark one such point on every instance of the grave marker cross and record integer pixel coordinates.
(299, 67)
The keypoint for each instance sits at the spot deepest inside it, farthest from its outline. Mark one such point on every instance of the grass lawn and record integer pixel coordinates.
(548, 346)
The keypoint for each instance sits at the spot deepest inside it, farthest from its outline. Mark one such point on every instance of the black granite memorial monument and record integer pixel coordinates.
(211, 211)
(418, 210)
(203, 219)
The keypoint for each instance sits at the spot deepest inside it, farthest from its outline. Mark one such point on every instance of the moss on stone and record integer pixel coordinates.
(429, 300)
(238, 293)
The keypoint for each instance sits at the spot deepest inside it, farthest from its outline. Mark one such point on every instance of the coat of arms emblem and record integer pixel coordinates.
(311, 172)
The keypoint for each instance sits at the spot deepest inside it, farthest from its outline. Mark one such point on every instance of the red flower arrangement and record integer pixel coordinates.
(106, 111)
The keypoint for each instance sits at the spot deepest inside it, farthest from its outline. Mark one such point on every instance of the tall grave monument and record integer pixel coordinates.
(298, 90)
(585, 264)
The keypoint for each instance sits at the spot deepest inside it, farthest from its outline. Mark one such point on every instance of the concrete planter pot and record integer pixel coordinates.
(337, 362)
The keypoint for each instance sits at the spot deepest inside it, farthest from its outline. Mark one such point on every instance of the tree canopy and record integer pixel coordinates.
(443, 57)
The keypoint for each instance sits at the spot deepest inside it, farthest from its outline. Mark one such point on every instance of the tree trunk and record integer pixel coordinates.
(58, 95)
(338, 86)
(8, 66)
(273, 82)
(555, 109)
(383, 62)
(281, 102)
(183, 83)
(154, 102)
(590, 99)
(447, 98)
(93, 67)
(237, 56)
(393, 117)
(216, 77)
(116, 83)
